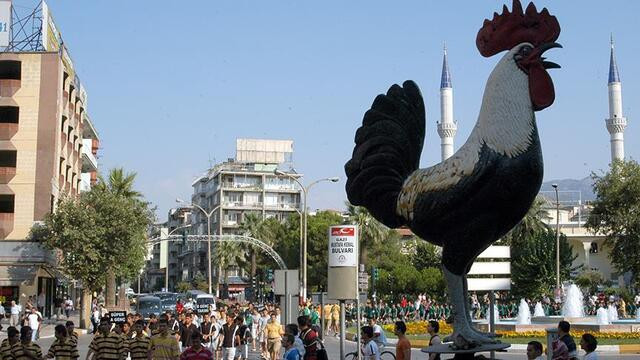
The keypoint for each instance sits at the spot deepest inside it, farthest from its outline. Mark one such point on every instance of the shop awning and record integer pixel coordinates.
(15, 275)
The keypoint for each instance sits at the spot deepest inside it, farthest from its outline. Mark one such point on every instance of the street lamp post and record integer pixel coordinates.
(555, 187)
(208, 215)
(305, 191)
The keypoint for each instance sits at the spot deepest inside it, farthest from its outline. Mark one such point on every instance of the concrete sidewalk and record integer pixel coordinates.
(47, 327)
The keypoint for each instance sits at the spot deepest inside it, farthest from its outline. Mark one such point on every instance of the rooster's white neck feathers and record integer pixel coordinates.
(506, 125)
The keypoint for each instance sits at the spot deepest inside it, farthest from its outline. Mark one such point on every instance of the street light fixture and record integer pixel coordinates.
(208, 215)
(305, 191)
(166, 270)
(555, 187)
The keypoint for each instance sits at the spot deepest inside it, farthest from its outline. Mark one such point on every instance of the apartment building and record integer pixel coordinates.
(237, 187)
(166, 274)
(48, 148)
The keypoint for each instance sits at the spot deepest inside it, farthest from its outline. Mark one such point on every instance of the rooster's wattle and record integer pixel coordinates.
(470, 200)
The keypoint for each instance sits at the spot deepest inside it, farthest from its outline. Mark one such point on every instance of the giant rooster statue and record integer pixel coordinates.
(470, 200)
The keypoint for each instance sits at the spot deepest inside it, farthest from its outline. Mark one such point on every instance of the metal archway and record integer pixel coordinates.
(227, 238)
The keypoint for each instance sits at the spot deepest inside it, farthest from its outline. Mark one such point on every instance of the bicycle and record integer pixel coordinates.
(385, 355)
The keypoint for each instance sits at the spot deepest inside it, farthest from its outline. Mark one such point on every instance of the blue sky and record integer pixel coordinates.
(172, 84)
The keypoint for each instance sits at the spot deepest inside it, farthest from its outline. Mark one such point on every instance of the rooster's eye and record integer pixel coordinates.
(525, 50)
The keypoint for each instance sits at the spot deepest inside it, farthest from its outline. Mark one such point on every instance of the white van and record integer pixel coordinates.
(206, 299)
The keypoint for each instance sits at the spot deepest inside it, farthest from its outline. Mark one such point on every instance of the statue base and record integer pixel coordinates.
(463, 354)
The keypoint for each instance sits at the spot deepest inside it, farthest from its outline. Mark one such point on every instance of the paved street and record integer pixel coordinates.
(332, 345)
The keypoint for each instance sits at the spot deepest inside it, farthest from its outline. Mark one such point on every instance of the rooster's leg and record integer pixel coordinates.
(463, 333)
(468, 309)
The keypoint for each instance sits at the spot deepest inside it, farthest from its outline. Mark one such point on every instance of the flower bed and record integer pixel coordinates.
(420, 328)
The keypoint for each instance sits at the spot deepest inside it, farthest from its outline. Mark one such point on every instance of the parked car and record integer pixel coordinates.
(147, 305)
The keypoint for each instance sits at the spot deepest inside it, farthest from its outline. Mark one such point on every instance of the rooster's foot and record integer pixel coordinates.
(468, 338)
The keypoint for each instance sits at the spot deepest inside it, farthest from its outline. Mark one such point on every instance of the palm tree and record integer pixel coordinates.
(258, 228)
(118, 183)
(370, 230)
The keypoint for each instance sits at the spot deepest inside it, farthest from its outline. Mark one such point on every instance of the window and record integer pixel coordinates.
(9, 114)
(10, 70)
(64, 119)
(7, 204)
(8, 158)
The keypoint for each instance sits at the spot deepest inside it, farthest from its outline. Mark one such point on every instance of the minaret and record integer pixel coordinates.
(446, 126)
(616, 123)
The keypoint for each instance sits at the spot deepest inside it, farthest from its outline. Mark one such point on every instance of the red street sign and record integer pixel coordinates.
(343, 231)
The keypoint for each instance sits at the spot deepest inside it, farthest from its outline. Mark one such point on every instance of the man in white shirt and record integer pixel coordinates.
(15, 314)
(534, 351)
(369, 347)
(34, 323)
(378, 334)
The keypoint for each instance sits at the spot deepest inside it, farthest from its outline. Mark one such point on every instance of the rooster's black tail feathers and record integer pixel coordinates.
(387, 151)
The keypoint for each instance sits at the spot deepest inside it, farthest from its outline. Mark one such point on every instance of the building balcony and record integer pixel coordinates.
(6, 174)
(89, 161)
(9, 87)
(283, 206)
(242, 205)
(8, 130)
(241, 187)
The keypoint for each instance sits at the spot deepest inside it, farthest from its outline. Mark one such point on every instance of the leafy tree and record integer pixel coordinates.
(533, 266)
(589, 280)
(371, 231)
(183, 286)
(616, 215)
(200, 282)
(318, 246)
(426, 256)
(119, 187)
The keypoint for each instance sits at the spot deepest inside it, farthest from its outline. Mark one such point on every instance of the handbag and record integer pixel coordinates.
(321, 353)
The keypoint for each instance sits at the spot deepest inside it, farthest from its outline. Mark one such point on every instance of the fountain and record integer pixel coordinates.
(613, 313)
(496, 315)
(603, 316)
(539, 311)
(524, 313)
(573, 304)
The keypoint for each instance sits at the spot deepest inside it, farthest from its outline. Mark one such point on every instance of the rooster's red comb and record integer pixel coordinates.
(509, 29)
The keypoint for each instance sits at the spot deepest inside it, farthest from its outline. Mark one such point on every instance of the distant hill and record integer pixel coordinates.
(569, 190)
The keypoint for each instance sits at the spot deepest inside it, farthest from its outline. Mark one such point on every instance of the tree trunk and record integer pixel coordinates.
(123, 302)
(110, 290)
(85, 309)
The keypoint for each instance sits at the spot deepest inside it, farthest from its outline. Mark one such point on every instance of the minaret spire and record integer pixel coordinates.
(616, 123)
(447, 127)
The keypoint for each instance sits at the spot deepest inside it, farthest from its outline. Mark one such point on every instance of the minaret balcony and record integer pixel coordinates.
(447, 129)
(616, 124)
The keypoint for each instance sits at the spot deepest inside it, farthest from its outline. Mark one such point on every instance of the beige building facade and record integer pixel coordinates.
(48, 149)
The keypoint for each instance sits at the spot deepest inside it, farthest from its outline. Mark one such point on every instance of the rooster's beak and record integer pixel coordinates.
(544, 47)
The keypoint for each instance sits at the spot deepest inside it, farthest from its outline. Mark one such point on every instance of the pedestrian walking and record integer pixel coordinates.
(186, 330)
(62, 348)
(68, 307)
(138, 345)
(309, 338)
(196, 351)
(588, 343)
(403, 347)
(26, 349)
(71, 332)
(15, 310)
(41, 302)
(290, 351)
(433, 329)
(34, 319)
(534, 351)
(229, 338)
(163, 346)
(13, 337)
(107, 345)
